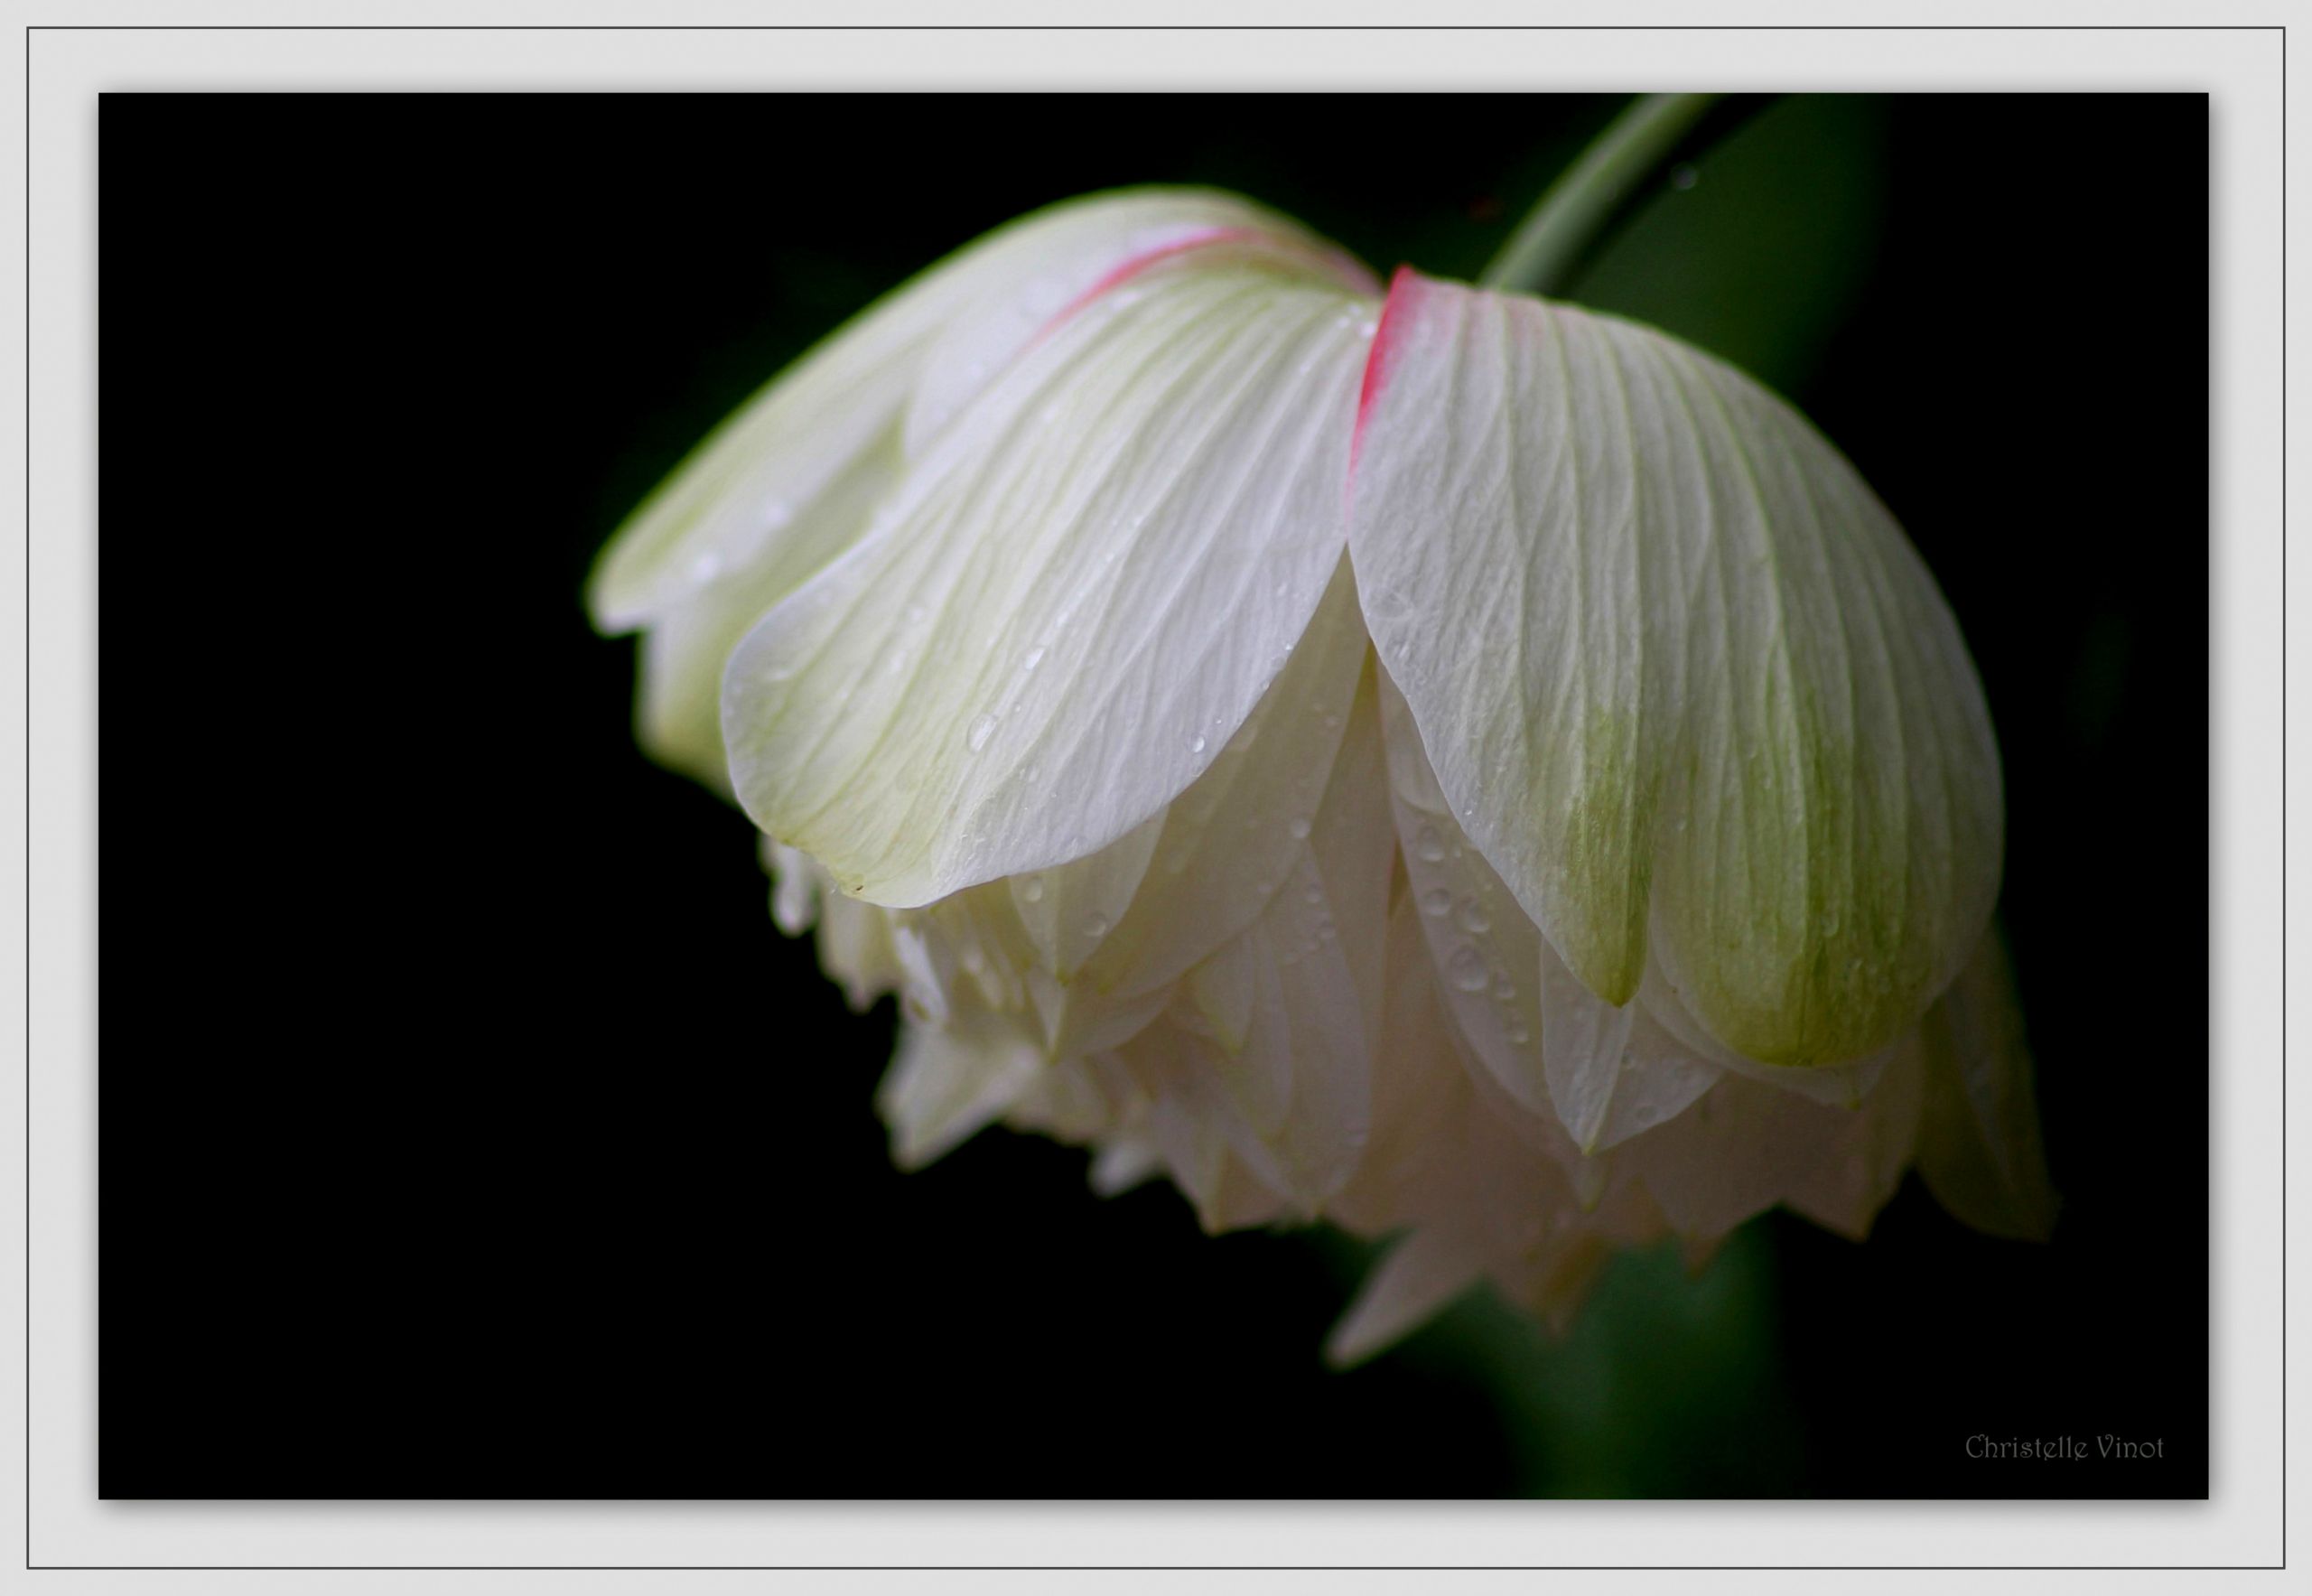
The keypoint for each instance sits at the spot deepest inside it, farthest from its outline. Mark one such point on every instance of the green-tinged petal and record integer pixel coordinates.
(1978, 1147)
(752, 492)
(1551, 1045)
(1680, 675)
(678, 709)
(1076, 597)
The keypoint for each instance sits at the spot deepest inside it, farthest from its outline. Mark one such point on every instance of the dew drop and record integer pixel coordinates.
(1035, 657)
(1503, 991)
(1465, 970)
(1473, 918)
(982, 729)
(1436, 902)
(1428, 844)
(1096, 926)
(1196, 744)
(1032, 888)
(1299, 827)
(1519, 1036)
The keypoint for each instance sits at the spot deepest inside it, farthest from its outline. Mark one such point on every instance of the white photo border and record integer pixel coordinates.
(2241, 68)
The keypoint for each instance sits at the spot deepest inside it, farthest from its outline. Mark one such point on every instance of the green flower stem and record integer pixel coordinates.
(1557, 231)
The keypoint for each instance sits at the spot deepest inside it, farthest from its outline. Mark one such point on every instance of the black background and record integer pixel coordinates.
(467, 1127)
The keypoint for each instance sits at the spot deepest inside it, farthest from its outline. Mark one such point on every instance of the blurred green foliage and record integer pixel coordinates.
(1667, 1384)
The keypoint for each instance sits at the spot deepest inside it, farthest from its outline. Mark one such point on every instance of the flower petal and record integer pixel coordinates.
(947, 1081)
(1744, 1147)
(1488, 952)
(1230, 839)
(1978, 1147)
(749, 499)
(1421, 1274)
(1075, 599)
(1613, 1073)
(1549, 1043)
(1679, 673)
(678, 707)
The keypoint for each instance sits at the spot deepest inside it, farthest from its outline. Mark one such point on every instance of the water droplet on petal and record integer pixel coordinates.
(1196, 745)
(1299, 828)
(1428, 844)
(982, 729)
(1436, 902)
(1032, 888)
(1035, 657)
(1473, 918)
(1096, 926)
(1465, 970)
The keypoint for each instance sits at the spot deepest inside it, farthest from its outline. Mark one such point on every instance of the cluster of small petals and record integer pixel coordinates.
(1312, 756)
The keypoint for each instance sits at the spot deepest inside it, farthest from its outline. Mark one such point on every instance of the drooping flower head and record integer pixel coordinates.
(1453, 764)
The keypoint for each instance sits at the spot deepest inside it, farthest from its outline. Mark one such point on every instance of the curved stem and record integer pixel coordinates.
(1556, 232)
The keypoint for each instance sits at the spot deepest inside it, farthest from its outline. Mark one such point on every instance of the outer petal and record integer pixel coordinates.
(1679, 673)
(750, 495)
(1979, 1146)
(678, 709)
(1077, 596)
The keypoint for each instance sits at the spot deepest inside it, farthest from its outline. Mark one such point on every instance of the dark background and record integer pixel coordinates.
(468, 1128)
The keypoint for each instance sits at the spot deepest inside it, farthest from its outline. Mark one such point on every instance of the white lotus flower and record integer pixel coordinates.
(1456, 765)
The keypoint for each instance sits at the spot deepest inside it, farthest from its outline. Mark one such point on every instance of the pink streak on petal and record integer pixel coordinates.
(1402, 287)
(1133, 266)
